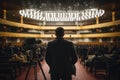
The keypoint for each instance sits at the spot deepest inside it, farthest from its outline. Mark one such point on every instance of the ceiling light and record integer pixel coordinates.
(62, 15)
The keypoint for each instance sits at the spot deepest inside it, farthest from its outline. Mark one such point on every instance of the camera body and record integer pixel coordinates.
(34, 46)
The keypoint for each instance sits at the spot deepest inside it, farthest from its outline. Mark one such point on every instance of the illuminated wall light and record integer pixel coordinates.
(62, 15)
(86, 40)
(100, 40)
(18, 40)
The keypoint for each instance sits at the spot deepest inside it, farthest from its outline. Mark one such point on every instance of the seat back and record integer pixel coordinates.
(101, 68)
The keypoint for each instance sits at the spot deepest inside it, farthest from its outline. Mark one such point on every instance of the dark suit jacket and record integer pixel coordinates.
(61, 57)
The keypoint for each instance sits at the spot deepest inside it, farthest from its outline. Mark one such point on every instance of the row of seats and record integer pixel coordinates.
(9, 70)
(100, 62)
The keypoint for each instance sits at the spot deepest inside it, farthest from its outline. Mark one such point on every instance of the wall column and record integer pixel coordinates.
(113, 19)
(97, 22)
(113, 16)
(21, 19)
(4, 28)
(20, 30)
(4, 14)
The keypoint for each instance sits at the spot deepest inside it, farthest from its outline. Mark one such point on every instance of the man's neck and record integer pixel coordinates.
(59, 38)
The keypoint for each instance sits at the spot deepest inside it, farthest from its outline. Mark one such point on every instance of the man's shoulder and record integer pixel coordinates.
(63, 41)
(69, 42)
(51, 41)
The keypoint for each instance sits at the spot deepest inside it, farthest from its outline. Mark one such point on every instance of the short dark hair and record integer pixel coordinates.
(59, 32)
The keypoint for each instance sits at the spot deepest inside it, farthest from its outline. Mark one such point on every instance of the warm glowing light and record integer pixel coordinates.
(62, 15)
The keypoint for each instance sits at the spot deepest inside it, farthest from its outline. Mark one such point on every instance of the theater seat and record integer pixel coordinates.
(101, 69)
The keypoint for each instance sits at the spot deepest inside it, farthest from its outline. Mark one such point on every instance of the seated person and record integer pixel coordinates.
(91, 61)
(18, 57)
(115, 55)
(104, 58)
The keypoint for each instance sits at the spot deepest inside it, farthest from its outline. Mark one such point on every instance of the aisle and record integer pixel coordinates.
(81, 74)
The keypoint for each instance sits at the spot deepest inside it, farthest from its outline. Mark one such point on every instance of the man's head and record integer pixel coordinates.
(59, 32)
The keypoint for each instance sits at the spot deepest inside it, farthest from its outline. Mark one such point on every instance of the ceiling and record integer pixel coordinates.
(13, 7)
(62, 4)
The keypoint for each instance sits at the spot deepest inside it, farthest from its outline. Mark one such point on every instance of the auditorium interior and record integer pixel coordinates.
(92, 25)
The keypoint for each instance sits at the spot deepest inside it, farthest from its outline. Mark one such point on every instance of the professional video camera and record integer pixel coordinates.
(29, 43)
(34, 46)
